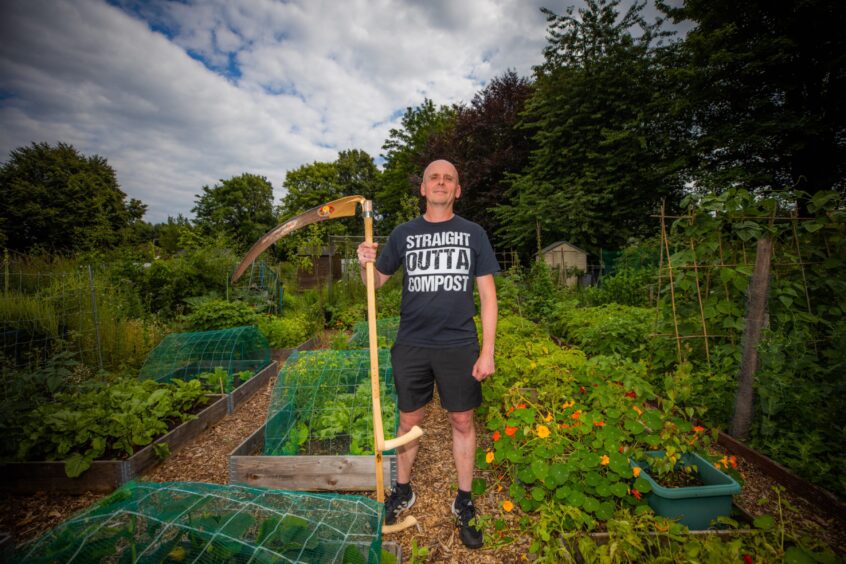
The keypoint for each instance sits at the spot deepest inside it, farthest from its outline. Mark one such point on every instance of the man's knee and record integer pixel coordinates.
(462, 421)
(409, 419)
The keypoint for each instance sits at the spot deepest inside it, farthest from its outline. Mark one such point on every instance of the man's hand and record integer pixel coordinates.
(366, 253)
(484, 366)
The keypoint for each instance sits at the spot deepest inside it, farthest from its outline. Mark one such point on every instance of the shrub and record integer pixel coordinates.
(286, 332)
(208, 315)
(606, 329)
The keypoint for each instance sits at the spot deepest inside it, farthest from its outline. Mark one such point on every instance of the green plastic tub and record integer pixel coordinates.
(695, 506)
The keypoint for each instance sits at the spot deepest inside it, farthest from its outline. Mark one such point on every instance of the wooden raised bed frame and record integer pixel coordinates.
(106, 475)
(305, 473)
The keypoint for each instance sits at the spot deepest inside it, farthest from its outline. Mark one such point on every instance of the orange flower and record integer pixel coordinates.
(496, 436)
(604, 461)
(548, 417)
(636, 471)
(499, 488)
(568, 404)
(507, 505)
(563, 426)
(599, 423)
(698, 429)
(630, 395)
(733, 460)
(510, 430)
(489, 457)
(636, 494)
(543, 431)
(521, 406)
(637, 410)
(510, 411)
(576, 414)
(582, 389)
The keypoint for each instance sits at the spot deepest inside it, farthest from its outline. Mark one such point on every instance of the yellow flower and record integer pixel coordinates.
(507, 505)
(548, 417)
(568, 404)
(489, 457)
(636, 471)
(543, 431)
(604, 460)
(637, 410)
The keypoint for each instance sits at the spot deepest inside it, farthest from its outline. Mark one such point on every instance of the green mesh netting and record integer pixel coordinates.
(321, 404)
(222, 358)
(386, 333)
(193, 522)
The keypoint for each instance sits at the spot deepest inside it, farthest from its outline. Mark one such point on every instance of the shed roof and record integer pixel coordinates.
(557, 243)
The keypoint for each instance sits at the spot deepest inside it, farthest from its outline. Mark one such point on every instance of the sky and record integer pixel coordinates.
(178, 95)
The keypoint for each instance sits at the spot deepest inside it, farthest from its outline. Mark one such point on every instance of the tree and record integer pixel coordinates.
(404, 160)
(240, 207)
(353, 172)
(599, 170)
(53, 198)
(485, 146)
(765, 93)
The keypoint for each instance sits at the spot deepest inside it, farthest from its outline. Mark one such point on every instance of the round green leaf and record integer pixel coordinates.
(538, 493)
(593, 479)
(605, 511)
(603, 489)
(540, 469)
(591, 504)
(576, 498)
(619, 489)
(764, 522)
(562, 492)
(642, 485)
(478, 487)
(558, 473)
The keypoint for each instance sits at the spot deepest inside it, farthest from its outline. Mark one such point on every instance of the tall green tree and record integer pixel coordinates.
(240, 207)
(764, 92)
(485, 145)
(55, 199)
(404, 154)
(352, 173)
(601, 166)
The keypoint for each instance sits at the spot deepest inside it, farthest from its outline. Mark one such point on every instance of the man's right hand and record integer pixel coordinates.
(366, 253)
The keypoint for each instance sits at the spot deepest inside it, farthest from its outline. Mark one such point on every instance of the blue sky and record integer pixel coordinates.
(179, 94)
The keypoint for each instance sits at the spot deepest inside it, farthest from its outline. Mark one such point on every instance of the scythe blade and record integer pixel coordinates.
(342, 207)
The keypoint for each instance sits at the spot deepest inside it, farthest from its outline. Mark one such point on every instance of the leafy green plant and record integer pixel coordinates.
(208, 315)
(114, 420)
(286, 332)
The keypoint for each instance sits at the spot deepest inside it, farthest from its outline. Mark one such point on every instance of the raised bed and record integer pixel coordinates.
(106, 475)
(305, 473)
(246, 390)
(280, 355)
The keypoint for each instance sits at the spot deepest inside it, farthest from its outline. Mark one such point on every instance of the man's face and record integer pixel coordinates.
(440, 184)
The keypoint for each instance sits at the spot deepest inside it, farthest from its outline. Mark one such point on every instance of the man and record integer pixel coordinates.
(437, 342)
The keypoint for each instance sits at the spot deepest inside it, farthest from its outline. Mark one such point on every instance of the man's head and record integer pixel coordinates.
(440, 184)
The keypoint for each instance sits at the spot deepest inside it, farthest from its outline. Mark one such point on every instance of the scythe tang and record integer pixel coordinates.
(342, 207)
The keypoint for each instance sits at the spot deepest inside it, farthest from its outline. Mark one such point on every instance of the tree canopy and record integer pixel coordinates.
(53, 198)
(240, 207)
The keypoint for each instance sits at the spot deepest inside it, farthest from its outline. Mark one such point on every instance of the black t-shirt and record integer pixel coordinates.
(441, 263)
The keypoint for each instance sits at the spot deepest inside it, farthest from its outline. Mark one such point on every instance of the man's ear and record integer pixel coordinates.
(457, 191)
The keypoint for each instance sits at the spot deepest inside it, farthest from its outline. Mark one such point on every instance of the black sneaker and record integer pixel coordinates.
(465, 511)
(396, 504)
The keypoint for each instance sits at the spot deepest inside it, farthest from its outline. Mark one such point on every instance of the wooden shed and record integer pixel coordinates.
(567, 261)
(323, 266)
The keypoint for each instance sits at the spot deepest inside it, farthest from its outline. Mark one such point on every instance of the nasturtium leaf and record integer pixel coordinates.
(642, 509)
(526, 504)
(620, 464)
(652, 440)
(558, 473)
(517, 492)
(612, 413)
(590, 504)
(653, 419)
(562, 492)
(642, 485)
(513, 456)
(526, 475)
(603, 489)
(593, 479)
(576, 498)
(797, 555)
(619, 489)
(540, 469)
(538, 493)
(635, 427)
(605, 511)
(478, 487)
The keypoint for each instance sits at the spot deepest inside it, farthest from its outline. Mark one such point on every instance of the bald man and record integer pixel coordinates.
(443, 255)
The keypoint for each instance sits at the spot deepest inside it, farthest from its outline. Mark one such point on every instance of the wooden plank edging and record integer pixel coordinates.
(304, 473)
(246, 390)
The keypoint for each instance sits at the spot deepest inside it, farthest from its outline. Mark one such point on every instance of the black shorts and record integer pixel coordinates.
(417, 368)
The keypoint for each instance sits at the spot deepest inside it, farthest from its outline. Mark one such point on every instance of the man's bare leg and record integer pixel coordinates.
(408, 452)
(463, 446)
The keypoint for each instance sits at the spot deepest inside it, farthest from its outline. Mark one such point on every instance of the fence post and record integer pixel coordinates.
(330, 293)
(741, 422)
(94, 315)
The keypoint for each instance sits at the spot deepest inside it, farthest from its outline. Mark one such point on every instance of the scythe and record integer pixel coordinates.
(345, 207)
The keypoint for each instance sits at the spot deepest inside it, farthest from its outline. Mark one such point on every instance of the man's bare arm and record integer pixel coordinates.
(484, 367)
(367, 253)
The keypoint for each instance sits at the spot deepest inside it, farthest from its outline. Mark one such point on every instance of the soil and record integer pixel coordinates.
(679, 480)
(206, 460)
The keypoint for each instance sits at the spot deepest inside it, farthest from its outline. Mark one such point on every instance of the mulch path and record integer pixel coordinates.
(434, 480)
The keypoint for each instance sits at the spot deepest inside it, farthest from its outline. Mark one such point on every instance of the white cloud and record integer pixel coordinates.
(283, 84)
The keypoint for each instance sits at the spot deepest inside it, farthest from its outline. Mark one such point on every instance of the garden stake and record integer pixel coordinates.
(345, 207)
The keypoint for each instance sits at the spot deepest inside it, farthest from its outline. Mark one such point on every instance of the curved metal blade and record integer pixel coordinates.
(342, 207)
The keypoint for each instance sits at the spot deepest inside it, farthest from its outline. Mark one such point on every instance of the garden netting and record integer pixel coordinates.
(386, 333)
(194, 522)
(225, 357)
(321, 404)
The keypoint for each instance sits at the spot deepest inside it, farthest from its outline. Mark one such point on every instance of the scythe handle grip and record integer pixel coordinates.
(415, 433)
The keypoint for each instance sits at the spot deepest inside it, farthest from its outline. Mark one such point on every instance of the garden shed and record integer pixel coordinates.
(186, 355)
(325, 265)
(566, 260)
